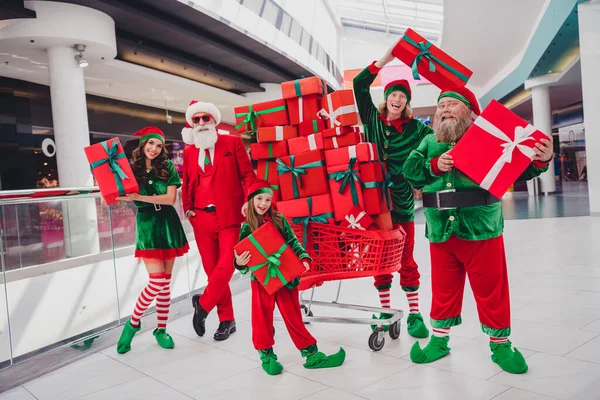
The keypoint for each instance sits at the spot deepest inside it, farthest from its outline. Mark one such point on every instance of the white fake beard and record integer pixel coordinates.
(205, 137)
(451, 130)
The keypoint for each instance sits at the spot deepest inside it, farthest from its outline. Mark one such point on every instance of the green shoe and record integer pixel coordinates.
(416, 326)
(435, 349)
(163, 338)
(124, 343)
(509, 360)
(316, 359)
(269, 362)
(382, 316)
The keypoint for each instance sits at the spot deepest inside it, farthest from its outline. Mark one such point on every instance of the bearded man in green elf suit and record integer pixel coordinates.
(396, 133)
(464, 226)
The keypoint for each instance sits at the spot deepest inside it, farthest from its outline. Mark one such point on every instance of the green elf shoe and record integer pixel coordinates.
(382, 316)
(124, 343)
(416, 326)
(435, 349)
(316, 359)
(269, 362)
(509, 360)
(163, 338)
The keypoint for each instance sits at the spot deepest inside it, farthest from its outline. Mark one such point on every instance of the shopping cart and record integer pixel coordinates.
(340, 253)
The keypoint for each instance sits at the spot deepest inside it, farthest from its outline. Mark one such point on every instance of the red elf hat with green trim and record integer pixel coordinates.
(150, 132)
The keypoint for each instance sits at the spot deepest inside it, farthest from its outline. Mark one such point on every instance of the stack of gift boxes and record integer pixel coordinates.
(316, 159)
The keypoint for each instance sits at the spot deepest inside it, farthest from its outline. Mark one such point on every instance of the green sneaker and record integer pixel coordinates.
(316, 359)
(435, 349)
(416, 326)
(382, 316)
(163, 338)
(124, 343)
(269, 362)
(510, 360)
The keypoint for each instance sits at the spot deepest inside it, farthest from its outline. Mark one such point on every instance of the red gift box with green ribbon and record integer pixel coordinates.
(302, 175)
(272, 262)
(304, 211)
(269, 113)
(346, 188)
(276, 134)
(306, 143)
(303, 108)
(376, 187)
(311, 126)
(267, 170)
(429, 61)
(111, 169)
(346, 140)
(303, 87)
(267, 151)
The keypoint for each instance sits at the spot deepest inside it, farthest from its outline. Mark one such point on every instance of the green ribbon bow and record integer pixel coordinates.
(322, 218)
(273, 262)
(349, 177)
(113, 165)
(251, 117)
(296, 172)
(426, 53)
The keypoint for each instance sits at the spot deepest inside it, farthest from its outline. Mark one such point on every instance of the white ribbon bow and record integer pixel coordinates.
(522, 134)
(332, 116)
(353, 221)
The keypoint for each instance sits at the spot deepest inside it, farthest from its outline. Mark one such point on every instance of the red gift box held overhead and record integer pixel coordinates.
(303, 108)
(276, 134)
(310, 209)
(272, 262)
(268, 113)
(303, 87)
(428, 60)
(111, 169)
(496, 149)
(376, 187)
(346, 188)
(339, 108)
(302, 175)
(266, 151)
(306, 143)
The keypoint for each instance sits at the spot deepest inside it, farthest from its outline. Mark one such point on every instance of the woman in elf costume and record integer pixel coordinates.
(260, 196)
(396, 133)
(159, 234)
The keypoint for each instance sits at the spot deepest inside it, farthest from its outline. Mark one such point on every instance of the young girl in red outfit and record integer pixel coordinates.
(260, 196)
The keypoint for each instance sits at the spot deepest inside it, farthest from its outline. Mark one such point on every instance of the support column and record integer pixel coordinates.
(71, 134)
(589, 45)
(542, 119)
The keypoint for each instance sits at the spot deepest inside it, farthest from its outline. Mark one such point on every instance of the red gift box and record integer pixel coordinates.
(302, 175)
(267, 170)
(357, 219)
(265, 151)
(303, 87)
(346, 140)
(306, 143)
(267, 246)
(310, 209)
(309, 127)
(276, 134)
(376, 187)
(363, 152)
(346, 188)
(415, 51)
(111, 169)
(340, 108)
(383, 221)
(303, 108)
(268, 113)
(496, 149)
(340, 130)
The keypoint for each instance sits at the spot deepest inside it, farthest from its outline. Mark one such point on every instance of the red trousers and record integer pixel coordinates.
(215, 244)
(409, 273)
(263, 305)
(484, 261)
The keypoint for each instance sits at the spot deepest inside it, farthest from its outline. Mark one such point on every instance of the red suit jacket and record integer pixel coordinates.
(232, 176)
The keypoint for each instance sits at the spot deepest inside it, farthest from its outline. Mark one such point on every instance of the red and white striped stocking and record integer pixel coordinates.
(157, 281)
(163, 303)
(413, 302)
(384, 297)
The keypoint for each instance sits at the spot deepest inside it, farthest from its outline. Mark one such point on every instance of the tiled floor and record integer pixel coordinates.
(554, 267)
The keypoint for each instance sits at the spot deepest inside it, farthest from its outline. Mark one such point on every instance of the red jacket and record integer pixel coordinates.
(232, 176)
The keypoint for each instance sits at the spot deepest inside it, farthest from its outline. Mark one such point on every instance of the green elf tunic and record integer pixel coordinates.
(393, 146)
(159, 233)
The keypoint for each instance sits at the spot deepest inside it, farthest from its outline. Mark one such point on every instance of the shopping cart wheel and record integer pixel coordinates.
(306, 312)
(395, 330)
(375, 342)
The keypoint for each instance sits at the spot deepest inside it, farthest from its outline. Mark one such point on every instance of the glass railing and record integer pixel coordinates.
(68, 271)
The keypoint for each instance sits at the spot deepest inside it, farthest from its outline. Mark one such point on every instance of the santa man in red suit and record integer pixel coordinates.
(216, 174)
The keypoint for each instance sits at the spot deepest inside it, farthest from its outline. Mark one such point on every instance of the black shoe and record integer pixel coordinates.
(199, 316)
(225, 329)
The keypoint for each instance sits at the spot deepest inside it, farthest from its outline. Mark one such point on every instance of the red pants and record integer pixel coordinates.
(485, 263)
(409, 273)
(215, 244)
(263, 305)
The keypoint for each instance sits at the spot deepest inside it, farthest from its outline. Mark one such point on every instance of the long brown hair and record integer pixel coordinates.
(159, 164)
(255, 220)
(407, 113)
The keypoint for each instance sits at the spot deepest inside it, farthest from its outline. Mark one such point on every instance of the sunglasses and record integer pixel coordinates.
(205, 118)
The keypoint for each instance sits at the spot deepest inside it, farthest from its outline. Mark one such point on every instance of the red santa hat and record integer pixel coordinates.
(150, 132)
(259, 187)
(462, 94)
(400, 84)
(194, 108)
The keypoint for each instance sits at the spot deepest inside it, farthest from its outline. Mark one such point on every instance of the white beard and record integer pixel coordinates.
(205, 137)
